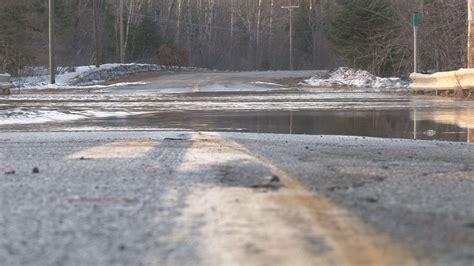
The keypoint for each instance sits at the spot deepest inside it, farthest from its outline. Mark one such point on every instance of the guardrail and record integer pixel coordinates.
(458, 83)
(5, 84)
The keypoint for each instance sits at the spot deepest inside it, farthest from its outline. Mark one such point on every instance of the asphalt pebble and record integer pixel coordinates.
(272, 183)
(275, 179)
(176, 139)
(371, 200)
(470, 225)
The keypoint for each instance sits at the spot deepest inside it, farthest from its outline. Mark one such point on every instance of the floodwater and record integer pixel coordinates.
(352, 114)
(384, 124)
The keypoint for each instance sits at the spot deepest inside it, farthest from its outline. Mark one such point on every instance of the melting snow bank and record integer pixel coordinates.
(348, 77)
(19, 116)
(89, 76)
(35, 117)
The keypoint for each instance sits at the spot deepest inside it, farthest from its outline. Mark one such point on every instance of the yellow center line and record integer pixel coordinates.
(196, 86)
(352, 242)
(118, 150)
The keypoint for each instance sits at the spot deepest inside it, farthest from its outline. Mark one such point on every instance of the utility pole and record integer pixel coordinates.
(470, 34)
(122, 33)
(52, 42)
(290, 9)
(96, 14)
(232, 14)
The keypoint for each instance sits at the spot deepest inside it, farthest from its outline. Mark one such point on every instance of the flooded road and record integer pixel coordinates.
(312, 112)
(383, 123)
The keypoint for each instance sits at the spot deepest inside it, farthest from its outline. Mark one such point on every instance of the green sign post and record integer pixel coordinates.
(416, 25)
(416, 19)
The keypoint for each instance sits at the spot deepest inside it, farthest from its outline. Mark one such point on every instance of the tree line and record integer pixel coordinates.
(375, 35)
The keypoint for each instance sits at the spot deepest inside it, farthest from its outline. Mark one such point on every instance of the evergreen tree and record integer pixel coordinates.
(360, 33)
(109, 35)
(16, 46)
(145, 40)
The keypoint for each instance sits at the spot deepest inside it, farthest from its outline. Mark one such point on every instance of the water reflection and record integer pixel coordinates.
(381, 123)
(316, 113)
(462, 118)
(426, 124)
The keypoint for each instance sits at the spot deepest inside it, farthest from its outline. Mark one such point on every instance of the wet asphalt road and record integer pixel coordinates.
(156, 197)
(217, 81)
(94, 206)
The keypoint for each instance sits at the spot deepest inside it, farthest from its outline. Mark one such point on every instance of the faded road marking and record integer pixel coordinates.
(246, 227)
(196, 85)
(117, 150)
(290, 226)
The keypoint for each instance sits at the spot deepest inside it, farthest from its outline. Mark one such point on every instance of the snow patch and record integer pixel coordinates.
(18, 116)
(45, 86)
(35, 117)
(88, 77)
(348, 77)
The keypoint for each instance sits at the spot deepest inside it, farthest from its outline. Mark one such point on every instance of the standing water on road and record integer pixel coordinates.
(316, 112)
